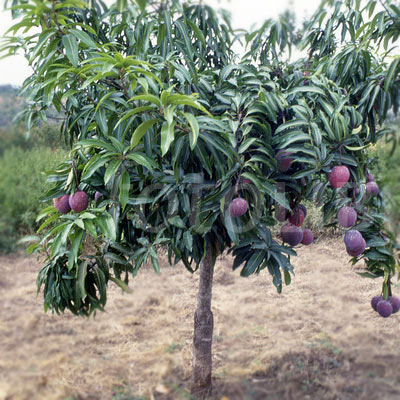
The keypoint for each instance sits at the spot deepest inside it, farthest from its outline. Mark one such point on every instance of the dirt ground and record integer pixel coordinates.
(318, 340)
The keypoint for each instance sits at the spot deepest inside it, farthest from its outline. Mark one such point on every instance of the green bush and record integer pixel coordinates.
(387, 173)
(47, 135)
(22, 184)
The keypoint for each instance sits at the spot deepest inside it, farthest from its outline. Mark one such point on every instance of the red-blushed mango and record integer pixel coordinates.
(303, 208)
(282, 213)
(347, 216)
(355, 243)
(372, 189)
(375, 300)
(79, 201)
(238, 207)
(357, 251)
(395, 302)
(339, 176)
(308, 237)
(284, 160)
(297, 217)
(384, 309)
(62, 204)
(291, 234)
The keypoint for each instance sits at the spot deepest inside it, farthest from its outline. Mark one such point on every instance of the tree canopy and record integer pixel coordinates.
(169, 123)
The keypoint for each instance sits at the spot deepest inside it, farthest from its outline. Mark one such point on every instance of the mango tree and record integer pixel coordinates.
(180, 143)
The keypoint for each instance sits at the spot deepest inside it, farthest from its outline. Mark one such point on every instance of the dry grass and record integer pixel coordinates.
(318, 340)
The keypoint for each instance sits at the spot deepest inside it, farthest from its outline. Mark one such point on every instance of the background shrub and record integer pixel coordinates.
(23, 159)
(22, 184)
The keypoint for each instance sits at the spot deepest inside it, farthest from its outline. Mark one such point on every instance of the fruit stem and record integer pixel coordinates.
(340, 153)
(237, 187)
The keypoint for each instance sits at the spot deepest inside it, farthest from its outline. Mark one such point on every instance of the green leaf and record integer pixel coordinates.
(124, 187)
(122, 5)
(84, 37)
(100, 281)
(45, 212)
(391, 73)
(194, 125)
(90, 228)
(112, 168)
(31, 248)
(197, 32)
(96, 162)
(107, 226)
(121, 284)
(167, 137)
(48, 221)
(43, 40)
(287, 276)
(131, 113)
(305, 89)
(189, 51)
(60, 240)
(177, 221)
(231, 227)
(141, 4)
(76, 241)
(253, 263)
(376, 242)
(368, 275)
(188, 240)
(267, 188)
(154, 262)
(148, 97)
(290, 125)
(142, 159)
(141, 130)
(289, 138)
(95, 143)
(80, 283)
(176, 99)
(104, 98)
(70, 43)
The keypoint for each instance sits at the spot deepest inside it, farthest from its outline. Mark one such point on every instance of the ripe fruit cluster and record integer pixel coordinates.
(385, 308)
(77, 202)
(347, 216)
(354, 241)
(291, 232)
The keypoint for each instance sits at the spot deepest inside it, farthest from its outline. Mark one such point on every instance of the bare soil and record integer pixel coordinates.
(320, 339)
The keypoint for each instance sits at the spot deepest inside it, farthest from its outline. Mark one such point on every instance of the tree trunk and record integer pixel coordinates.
(203, 331)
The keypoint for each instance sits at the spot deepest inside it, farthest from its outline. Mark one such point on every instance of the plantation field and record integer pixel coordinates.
(318, 340)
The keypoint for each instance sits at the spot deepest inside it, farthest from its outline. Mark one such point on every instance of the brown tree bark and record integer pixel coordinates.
(203, 331)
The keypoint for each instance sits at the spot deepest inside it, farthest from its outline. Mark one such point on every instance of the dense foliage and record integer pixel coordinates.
(169, 124)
